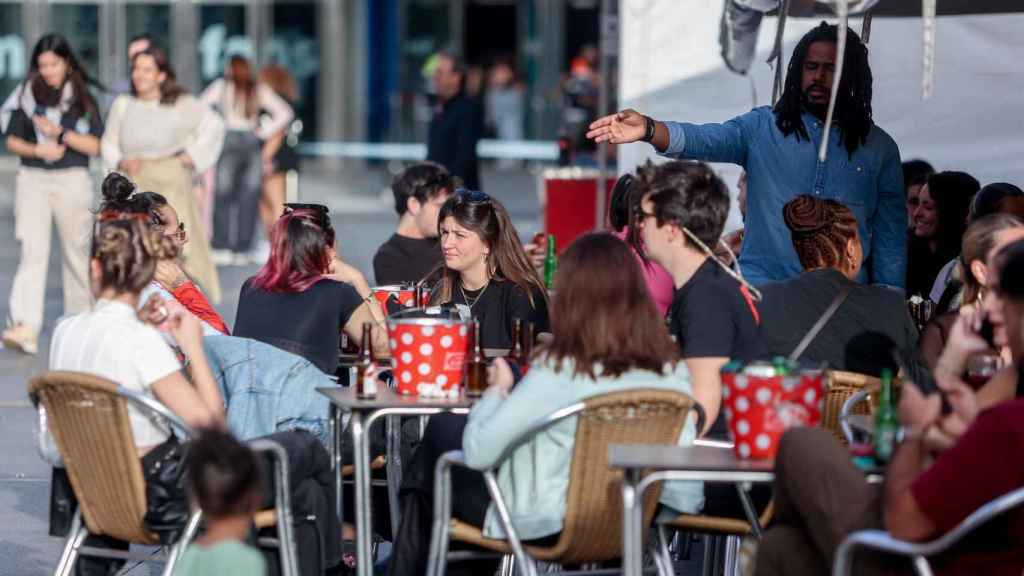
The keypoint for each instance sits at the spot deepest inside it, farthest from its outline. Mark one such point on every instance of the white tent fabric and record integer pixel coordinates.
(670, 68)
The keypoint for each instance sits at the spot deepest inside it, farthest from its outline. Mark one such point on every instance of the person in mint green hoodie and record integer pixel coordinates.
(608, 337)
(224, 479)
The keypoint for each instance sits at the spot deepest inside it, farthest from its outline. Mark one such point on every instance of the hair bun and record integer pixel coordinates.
(806, 214)
(117, 187)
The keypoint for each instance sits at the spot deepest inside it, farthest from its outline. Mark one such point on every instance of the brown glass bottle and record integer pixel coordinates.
(366, 386)
(476, 366)
(516, 354)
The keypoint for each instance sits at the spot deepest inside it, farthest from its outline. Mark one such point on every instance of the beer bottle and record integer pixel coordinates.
(886, 420)
(550, 262)
(528, 338)
(476, 367)
(516, 354)
(366, 386)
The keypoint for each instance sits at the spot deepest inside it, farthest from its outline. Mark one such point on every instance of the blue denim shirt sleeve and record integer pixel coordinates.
(889, 226)
(725, 142)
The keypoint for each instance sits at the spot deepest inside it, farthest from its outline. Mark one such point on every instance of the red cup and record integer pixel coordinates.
(428, 347)
(760, 406)
(404, 293)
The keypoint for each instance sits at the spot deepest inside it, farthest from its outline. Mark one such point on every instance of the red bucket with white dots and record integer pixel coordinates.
(760, 405)
(428, 347)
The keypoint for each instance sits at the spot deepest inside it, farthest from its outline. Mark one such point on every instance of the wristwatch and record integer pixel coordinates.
(648, 128)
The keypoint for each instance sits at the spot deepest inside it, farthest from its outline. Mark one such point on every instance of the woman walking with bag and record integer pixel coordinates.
(53, 124)
(239, 180)
(160, 136)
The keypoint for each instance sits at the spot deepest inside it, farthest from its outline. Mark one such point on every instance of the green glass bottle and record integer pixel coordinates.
(781, 366)
(887, 422)
(550, 262)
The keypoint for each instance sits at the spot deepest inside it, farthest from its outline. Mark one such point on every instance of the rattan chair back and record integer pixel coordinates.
(90, 425)
(592, 531)
(839, 386)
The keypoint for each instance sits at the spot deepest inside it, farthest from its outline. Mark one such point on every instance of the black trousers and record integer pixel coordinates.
(469, 504)
(312, 490)
(239, 183)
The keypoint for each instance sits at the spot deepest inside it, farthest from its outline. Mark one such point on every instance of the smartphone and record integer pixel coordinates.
(921, 376)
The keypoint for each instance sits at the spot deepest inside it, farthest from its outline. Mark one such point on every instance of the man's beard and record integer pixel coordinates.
(818, 109)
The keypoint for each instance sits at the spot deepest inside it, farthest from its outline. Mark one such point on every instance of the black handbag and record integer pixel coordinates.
(164, 469)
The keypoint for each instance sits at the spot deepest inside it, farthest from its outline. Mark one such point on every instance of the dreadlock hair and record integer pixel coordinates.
(853, 101)
(820, 230)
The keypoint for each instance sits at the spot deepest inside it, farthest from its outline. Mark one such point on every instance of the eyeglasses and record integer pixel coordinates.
(640, 214)
(178, 234)
(472, 196)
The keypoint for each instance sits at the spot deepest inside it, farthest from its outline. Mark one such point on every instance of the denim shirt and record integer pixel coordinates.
(266, 389)
(780, 168)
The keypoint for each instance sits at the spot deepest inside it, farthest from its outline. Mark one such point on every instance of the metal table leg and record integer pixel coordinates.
(334, 433)
(364, 558)
(394, 469)
(632, 524)
(755, 523)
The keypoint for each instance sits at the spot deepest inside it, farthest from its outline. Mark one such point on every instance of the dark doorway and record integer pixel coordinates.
(490, 31)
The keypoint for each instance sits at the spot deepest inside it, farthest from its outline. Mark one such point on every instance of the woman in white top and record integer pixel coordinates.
(123, 260)
(161, 137)
(240, 96)
(53, 124)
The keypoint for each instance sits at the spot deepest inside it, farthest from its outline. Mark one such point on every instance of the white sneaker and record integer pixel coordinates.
(222, 257)
(21, 337)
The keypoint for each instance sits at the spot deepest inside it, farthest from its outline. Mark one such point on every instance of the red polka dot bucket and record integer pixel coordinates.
(428, 348)
(760, 404)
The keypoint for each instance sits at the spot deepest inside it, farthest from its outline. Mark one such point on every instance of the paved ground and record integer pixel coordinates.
(361, 208)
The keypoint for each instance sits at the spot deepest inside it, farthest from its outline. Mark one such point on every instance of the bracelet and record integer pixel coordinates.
(179, 282)
(60, 137)
(649, 128)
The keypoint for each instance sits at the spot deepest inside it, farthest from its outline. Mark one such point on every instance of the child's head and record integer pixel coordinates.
(224, 477)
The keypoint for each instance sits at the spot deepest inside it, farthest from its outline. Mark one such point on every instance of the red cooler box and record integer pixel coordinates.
(569, 202)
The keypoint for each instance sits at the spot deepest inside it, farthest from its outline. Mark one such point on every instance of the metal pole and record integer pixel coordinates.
(609, 44)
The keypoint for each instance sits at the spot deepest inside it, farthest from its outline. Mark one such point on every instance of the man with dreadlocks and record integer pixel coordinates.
(778, 147)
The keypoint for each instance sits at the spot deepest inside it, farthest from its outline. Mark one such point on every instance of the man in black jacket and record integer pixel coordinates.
(456, 125)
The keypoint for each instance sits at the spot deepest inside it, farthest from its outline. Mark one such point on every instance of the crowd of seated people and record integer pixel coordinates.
(649, 305)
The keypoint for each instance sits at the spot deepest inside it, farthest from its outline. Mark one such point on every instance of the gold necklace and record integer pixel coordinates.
(475, 300)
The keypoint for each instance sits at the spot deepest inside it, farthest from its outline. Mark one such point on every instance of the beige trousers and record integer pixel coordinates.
(167, 176)
(41, 196)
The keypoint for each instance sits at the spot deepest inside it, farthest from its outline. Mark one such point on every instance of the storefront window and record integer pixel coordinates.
(295, 46)
(13, 52)
(221, 36)
(152, 19)
(80, 24)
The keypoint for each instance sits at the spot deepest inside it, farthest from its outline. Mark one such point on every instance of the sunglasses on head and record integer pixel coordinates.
(472, 196)
(320, 212)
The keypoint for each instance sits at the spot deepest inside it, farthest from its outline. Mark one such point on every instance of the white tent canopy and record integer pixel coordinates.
(670, 68)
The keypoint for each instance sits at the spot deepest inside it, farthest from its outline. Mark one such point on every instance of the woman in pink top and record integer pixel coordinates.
(659, 283)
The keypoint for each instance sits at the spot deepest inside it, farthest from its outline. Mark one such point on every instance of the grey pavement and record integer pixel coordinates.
(361, 208)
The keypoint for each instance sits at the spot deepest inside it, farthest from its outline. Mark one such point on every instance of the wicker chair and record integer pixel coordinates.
(839, 386)
(88, 417)
(592, 531)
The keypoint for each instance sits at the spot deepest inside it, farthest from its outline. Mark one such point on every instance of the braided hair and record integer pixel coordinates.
(853, 104)
(820, 230)
(127, 251)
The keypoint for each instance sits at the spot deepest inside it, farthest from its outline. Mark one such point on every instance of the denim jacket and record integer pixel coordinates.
(780, 168)
(267, 389)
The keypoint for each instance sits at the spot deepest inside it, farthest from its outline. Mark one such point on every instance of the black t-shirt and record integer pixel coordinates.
(404, 259)
(859, 336)
(21, 126)
(305, 323)
(711, 317)
(499, 303)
